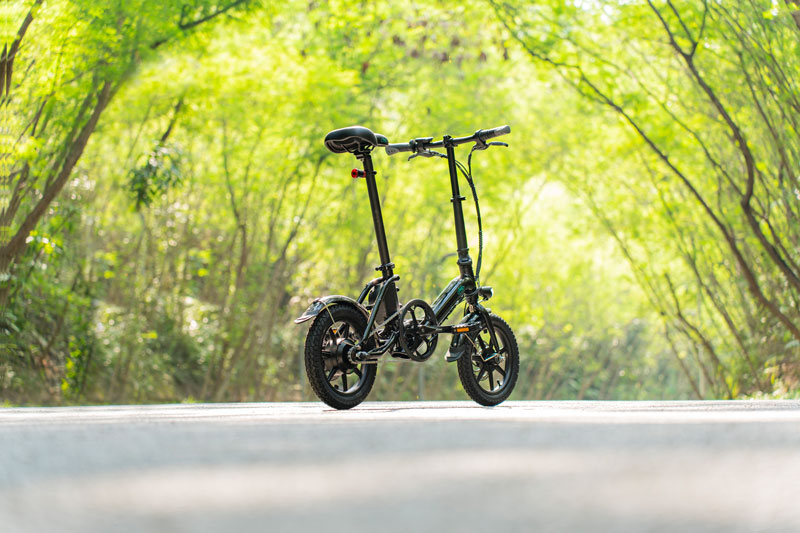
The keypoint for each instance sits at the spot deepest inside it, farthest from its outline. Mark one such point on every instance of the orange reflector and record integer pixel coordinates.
(462, 330)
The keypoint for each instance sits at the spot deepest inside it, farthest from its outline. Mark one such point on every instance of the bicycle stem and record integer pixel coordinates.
(464, 260)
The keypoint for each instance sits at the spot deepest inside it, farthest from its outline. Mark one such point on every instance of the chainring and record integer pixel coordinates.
(414, 342)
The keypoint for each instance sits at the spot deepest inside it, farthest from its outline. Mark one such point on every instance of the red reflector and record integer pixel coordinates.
(354, 173)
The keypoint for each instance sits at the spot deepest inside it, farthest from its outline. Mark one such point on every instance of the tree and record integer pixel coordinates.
(668, 70)
(66, 63)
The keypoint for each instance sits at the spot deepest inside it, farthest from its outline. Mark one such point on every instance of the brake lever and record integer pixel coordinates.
(480, 144)
(426, 153)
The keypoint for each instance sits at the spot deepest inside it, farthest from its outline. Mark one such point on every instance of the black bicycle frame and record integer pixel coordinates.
(385, 306)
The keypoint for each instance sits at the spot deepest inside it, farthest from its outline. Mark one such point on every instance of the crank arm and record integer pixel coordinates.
(384, 360)
(365, 357)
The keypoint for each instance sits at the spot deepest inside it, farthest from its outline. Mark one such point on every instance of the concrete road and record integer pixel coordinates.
(523, 466)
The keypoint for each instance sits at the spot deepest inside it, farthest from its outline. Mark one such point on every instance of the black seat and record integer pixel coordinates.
(353, 139)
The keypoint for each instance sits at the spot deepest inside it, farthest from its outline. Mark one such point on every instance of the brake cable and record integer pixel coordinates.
(468, 176)
(467, 172)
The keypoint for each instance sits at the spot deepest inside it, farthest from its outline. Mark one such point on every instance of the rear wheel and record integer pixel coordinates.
(489, 372)
(334, 379)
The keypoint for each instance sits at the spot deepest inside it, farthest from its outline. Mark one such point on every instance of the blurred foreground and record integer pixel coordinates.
(546, 466)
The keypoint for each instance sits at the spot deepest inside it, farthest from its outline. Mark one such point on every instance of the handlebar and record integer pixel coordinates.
(416, 145)
(392, 149)
(494, 132)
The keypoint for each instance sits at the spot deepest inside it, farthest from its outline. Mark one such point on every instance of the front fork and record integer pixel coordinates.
(464, 334)
(485, 313)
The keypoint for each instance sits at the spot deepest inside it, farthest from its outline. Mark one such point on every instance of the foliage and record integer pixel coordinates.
(170, 207)
(706, 149)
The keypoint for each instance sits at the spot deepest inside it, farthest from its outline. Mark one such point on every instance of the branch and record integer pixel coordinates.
(691, 261)
(791, 276)
(683, 366)
(795, 12)
(683, 25)
(7, 58)
(702, 26)
(703, 340)
(738, 136)
(10, 210)
(174, 120)
(10, 250)
(187, 25)
(746, 270)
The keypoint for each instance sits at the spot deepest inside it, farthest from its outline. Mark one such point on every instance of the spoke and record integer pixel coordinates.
(331, 374)
(326, 352)
(502, 350)
(491, 380)
(344, 331)
(480, 374)
(358, 372)
(344, 381)
(502, 372)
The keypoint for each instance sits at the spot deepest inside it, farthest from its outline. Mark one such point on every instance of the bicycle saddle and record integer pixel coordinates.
(353, 139)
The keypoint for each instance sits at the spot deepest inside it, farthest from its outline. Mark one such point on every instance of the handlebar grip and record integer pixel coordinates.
(495, 132)
(392, 149)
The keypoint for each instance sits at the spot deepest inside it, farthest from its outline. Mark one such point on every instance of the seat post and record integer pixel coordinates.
(386, 267)
(377, 216)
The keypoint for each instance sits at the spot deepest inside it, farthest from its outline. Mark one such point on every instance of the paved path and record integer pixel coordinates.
(523, 466)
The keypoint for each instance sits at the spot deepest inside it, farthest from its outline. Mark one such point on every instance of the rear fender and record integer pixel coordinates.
(320, 304)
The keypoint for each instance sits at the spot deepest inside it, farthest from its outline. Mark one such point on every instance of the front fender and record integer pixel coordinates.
(320, 304)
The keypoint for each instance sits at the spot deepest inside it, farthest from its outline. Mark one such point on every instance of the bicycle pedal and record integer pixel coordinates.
(452, 357)
(457, 348)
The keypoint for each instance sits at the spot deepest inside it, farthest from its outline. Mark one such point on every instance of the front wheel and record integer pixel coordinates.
(488, 373)
(335, 380)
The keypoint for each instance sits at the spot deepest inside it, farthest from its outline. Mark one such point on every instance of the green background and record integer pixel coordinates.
(168, 206)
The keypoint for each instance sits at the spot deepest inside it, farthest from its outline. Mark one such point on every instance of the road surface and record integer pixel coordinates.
(429, 466)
